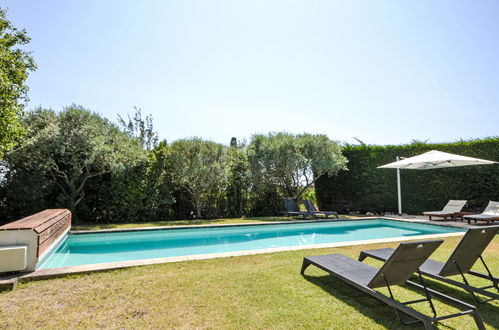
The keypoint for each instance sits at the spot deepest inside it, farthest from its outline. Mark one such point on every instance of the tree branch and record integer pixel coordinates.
(79, 199)
(307, 186)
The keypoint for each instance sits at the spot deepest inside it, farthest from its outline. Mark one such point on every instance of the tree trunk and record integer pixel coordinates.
(300, 192)
(75, 198)
(198, 208)
(72, 202)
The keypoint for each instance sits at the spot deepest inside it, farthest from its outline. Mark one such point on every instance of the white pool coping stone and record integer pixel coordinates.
(416, 220)
(57, 272)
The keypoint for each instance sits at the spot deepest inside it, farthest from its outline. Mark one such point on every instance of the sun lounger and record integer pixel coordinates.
(464, 256)
(490, 214)
(449, 210)
(311, 208)
(397, 270)
(292, 209)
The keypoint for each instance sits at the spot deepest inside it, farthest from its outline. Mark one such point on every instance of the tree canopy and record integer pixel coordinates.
(15, 65)
(198, 167)
(292, 163)
(72, 147)
(140, 128)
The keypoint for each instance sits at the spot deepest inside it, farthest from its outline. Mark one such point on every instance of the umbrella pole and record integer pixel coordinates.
(399, 193)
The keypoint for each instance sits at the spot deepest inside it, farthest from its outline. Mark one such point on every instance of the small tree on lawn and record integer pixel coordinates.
(198, 167)
(293, 162)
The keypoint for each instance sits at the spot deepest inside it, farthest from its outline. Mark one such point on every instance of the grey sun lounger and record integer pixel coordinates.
(402, 263)
(464, 256)
(311, 208)
(490, 214)
(292, 208)
(449, 210)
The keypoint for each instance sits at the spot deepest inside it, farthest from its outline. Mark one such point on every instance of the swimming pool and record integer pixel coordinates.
(105, 247)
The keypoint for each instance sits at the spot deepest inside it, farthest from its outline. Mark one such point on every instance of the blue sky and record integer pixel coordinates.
(385, 72)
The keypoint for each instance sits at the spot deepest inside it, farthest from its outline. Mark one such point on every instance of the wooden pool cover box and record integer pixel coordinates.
(24, 242)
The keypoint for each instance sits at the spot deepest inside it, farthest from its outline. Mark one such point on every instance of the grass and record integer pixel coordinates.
(183, 223)
(259, 292)
(175, 223)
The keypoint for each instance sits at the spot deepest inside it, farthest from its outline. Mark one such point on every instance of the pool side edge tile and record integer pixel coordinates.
(406, 219)
(82, 269)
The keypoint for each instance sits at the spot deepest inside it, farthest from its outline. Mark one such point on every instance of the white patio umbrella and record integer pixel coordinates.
(431, 160)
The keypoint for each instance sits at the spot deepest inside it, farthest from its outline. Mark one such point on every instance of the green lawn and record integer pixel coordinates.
(260, 291)
(175, 223)
(184, 223)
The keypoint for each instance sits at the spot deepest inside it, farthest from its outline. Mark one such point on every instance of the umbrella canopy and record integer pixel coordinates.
(431, 160)
(436, 159)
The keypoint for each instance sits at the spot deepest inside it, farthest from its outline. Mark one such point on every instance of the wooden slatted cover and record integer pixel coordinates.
(49, 225)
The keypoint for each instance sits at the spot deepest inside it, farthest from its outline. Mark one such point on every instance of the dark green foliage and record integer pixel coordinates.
(238, 182)
(15, 66)
(266, 202)
(364, 188)
(134, 194)
(69, 149)
(77, 160)
(199, 168)
(291, 163)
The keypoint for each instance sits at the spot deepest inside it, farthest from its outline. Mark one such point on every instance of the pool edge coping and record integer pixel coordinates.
(102, 267)
(13, 279)
(422, 221)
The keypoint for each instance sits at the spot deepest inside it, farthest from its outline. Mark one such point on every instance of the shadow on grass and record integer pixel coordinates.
(488, 311)
(384, 315)
(363, 303)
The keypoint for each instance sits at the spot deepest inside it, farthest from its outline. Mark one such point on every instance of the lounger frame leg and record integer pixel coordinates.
(489, 277)
(465, 286)
(428, 298)
(428, 321)
(304, 266)
(467, 308)
(362, 256)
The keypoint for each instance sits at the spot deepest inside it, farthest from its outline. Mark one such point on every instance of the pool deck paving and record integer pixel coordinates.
(10, 281)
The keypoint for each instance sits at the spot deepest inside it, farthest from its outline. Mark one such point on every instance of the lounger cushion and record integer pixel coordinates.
(482, 216)
(490, 212)
(438, 213)
(449, 209)
(348, 269)
(430, 266)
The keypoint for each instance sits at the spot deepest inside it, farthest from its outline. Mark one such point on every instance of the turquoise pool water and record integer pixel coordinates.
(94, 248)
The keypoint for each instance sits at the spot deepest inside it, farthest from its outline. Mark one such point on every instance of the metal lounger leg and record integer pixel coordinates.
(428, 296)
(480, 301)
(304, 266)
(494, 282)
(399, 317)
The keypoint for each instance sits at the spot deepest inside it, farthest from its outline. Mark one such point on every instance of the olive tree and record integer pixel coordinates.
(70, 148)
(238, 181)
(15, 65)
(198, 167)
(293, 163)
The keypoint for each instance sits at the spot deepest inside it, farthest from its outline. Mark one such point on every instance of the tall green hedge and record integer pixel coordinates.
(365, 188)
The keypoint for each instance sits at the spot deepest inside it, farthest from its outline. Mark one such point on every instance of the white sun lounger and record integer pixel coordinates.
(490, 214)
(448, 211)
